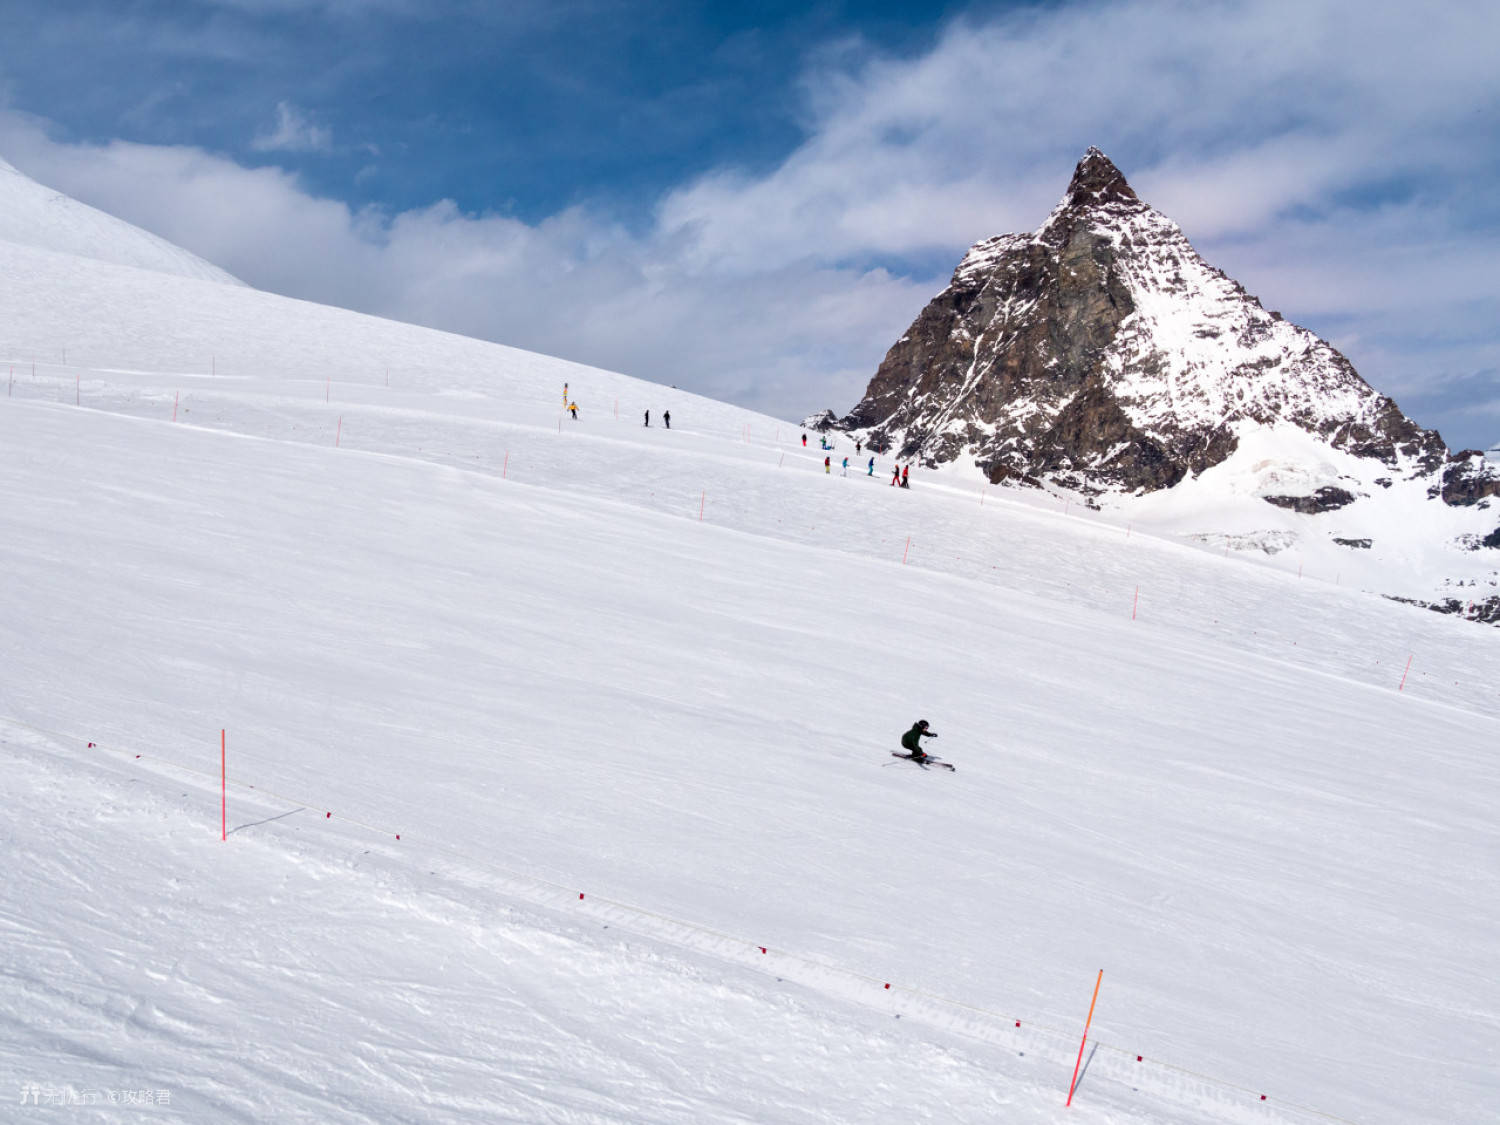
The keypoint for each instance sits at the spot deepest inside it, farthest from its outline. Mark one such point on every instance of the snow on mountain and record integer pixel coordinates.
(38, 217)
(1101, 356)
(559, 784)
(1108, 308)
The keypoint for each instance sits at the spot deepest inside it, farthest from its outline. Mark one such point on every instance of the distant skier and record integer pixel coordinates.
(911, 741)
(828, 464)
(872, 467)
(666, 417)
(857, 448)
(648, 417)
(804, 441)
(896, 475)
(904, 482)
(573, 409)
(846, 466)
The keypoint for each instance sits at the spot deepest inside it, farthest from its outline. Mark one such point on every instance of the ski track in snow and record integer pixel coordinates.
(431, 990)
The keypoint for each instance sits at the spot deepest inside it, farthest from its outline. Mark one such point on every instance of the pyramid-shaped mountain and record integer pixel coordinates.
(1102, 353)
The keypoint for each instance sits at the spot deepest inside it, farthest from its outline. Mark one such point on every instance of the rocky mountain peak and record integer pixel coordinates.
(1096, 180)
(1102, 353)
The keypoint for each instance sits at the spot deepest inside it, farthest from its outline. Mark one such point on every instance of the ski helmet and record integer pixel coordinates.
(923, 723)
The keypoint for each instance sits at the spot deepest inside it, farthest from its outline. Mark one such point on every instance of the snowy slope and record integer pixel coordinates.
(664, 670)
(38, 217)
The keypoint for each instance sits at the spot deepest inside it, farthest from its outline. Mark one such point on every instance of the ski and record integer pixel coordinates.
(928, 761)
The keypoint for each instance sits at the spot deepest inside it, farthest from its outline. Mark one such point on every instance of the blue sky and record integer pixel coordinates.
(524, 107)
(754, 200)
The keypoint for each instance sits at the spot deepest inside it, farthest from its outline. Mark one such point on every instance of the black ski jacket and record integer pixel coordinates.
(912, 739)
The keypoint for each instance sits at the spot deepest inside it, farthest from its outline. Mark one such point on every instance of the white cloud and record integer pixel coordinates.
(293, 132)
(1227, 114)
(786, 340)
(1331, 156)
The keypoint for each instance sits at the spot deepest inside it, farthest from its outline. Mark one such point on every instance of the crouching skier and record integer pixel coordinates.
(911, 741)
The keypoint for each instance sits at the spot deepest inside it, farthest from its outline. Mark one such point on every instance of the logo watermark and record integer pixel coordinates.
(48, 1093)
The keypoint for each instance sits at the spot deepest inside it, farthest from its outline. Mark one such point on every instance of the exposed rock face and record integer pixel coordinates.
(1483, 610)
(1102, 353)
(1326, 499)
(1468, 479)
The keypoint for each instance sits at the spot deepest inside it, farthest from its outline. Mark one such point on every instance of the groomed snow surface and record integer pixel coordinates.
(664, 670)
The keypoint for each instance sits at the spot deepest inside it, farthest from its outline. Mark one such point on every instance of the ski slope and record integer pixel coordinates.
(664, 670)
(40, 218)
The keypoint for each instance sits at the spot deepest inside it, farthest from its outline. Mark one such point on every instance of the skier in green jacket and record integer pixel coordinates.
(912, 740)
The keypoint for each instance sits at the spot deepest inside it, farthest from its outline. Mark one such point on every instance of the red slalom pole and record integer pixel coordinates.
(176, 397)
(339, 433)
(505, 468)
(907, 551)
(223, 793)
(1135, 603)
(1086, 1024)
(702, 499)
(1403, 674)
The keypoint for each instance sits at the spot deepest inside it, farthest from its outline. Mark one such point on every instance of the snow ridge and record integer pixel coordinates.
(36, 216)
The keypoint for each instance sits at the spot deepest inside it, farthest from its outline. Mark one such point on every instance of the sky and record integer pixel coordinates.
(754, 201)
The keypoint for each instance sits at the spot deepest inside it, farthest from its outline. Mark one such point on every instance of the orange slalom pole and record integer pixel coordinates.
(1086, 1024)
